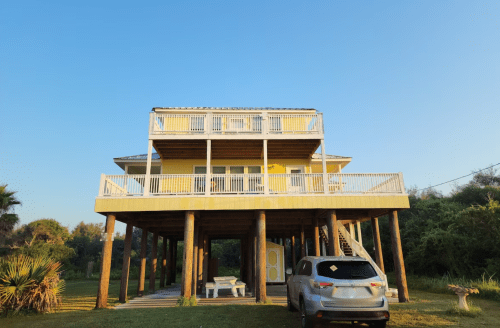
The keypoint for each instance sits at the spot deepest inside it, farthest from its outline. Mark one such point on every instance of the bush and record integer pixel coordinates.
(474, 311)
(186, 301)
(29, 283)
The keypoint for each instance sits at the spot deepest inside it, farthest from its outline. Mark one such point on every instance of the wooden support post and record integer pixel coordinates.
(333, 233)
(360, 237)
(294, 261)
(163, 262)
(242, 259)
(126, 263)
(302, 241)
(195, 259)
(255, 263)
(187, 263)
(353, 235)
(154, 260)
(261, 256)
(107, 247)
(378, 245)
(170, 257)
(174, 260)
(249, 263)
(316, 237)
(206, 258)
(201, 252)
(397, 253)
(142, 265)
(285, 252)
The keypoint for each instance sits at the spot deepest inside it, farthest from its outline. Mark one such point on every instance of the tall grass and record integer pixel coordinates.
(489, 288)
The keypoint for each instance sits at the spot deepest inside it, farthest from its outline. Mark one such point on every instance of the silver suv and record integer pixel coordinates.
(334, 288)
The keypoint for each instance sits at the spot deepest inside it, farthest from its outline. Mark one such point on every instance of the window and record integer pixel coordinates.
(346, 270)
(217, 124)
(257, 124)
(236, 181)
(237, 124)
(199, 181)
(275, 124)
(197, 124)
(306, 269)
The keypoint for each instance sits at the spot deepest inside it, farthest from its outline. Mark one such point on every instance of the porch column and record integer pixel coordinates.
(323, 162)
(378, 246)
(163, 262)
(154, 260)
(261, 256)
(107, 247)
(294, 261)
(201, 247)
(126, 262)
(302, 241)
(316, 237)
(208, 182)
(397, 253)
(187, 263)
(142, 266)
(147, 182)
(333, 233)
(266, 175)
(195, 259)
(170, 258)
(360, 237)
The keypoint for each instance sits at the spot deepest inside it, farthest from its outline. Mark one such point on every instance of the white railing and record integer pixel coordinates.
(250, 184)
(295, 183)
(366, 183)
(163, 123)
(295, 123)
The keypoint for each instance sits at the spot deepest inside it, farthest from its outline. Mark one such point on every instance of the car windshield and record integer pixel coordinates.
(346, 270)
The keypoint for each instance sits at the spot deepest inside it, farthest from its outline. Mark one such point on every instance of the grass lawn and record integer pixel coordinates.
(425, 310)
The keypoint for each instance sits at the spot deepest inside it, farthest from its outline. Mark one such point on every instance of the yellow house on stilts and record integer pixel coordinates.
(249, 174)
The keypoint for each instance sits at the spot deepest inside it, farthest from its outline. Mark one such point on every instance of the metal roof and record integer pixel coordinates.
(155, 156)
(230, 108)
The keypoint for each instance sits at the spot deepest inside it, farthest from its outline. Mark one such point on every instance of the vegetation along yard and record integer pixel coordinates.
(426, 309)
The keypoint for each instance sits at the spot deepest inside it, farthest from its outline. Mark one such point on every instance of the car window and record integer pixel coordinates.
(346, 270)
(297, 267)
(306, 269)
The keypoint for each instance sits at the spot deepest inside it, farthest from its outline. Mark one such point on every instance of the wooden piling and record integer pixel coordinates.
(397, 253)
(126, 263)
(378, 245)
(142, 265)
(154, 260)
(261, 256)
(333, 233)
(187, 263)
(107, 247)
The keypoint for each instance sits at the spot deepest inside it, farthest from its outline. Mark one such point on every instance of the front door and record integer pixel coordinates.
(295, 181)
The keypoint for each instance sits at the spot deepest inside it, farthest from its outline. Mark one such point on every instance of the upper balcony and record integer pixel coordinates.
(233, 123)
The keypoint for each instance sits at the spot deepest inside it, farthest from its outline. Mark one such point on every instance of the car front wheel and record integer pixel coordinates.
(304, 319)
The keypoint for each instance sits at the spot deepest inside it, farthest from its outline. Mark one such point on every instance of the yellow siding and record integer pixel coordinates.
(330, 168)
(275, 166)
(134, 204)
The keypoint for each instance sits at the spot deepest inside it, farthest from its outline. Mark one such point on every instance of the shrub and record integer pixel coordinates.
(186, 301)
(29, 283)
(474, 311)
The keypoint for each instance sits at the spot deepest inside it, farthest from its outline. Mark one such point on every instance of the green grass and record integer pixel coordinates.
(424, 310)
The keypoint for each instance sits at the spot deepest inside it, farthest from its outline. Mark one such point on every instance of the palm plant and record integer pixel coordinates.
(29, 283)
(7, 201)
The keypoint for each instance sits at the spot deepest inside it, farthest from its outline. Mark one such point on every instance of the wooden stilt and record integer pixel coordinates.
(187, 263)
(163, 262)
(285, 253)
(316, 237)
(302, 241)
(397, 253)
(154, 260)
(107, 247)
(249, 263)
(294, 261)
(378, 245)
(242, 259)
(333, 233)
(206, 257)
(195, 259)
(126, 263)
(142, 265)
(255, 261)
(170, 256)
(174, 260)
(261, 256)
(201, 252)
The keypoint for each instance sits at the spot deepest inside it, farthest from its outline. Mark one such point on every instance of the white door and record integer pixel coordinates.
(295, 183)
(273, 269)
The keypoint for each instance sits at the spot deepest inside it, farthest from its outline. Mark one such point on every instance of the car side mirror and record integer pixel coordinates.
(288, 271)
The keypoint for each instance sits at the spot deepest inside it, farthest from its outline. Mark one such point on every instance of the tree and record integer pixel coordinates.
(91, 230)
(7, 219)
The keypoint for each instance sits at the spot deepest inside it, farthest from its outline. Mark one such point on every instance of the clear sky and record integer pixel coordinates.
(410, 86)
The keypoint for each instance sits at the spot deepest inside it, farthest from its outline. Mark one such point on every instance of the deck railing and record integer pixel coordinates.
(252, 184)
(254, 124)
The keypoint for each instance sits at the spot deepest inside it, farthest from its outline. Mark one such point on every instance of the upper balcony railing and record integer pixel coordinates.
(252, 184)
(249, 124)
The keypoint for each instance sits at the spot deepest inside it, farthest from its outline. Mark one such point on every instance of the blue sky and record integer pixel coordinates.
(404, 86)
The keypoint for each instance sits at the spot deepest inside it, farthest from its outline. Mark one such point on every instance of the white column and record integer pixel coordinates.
(147, 182)
(323, 160)
(360, 239)
(208, 183)
(266, 175)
